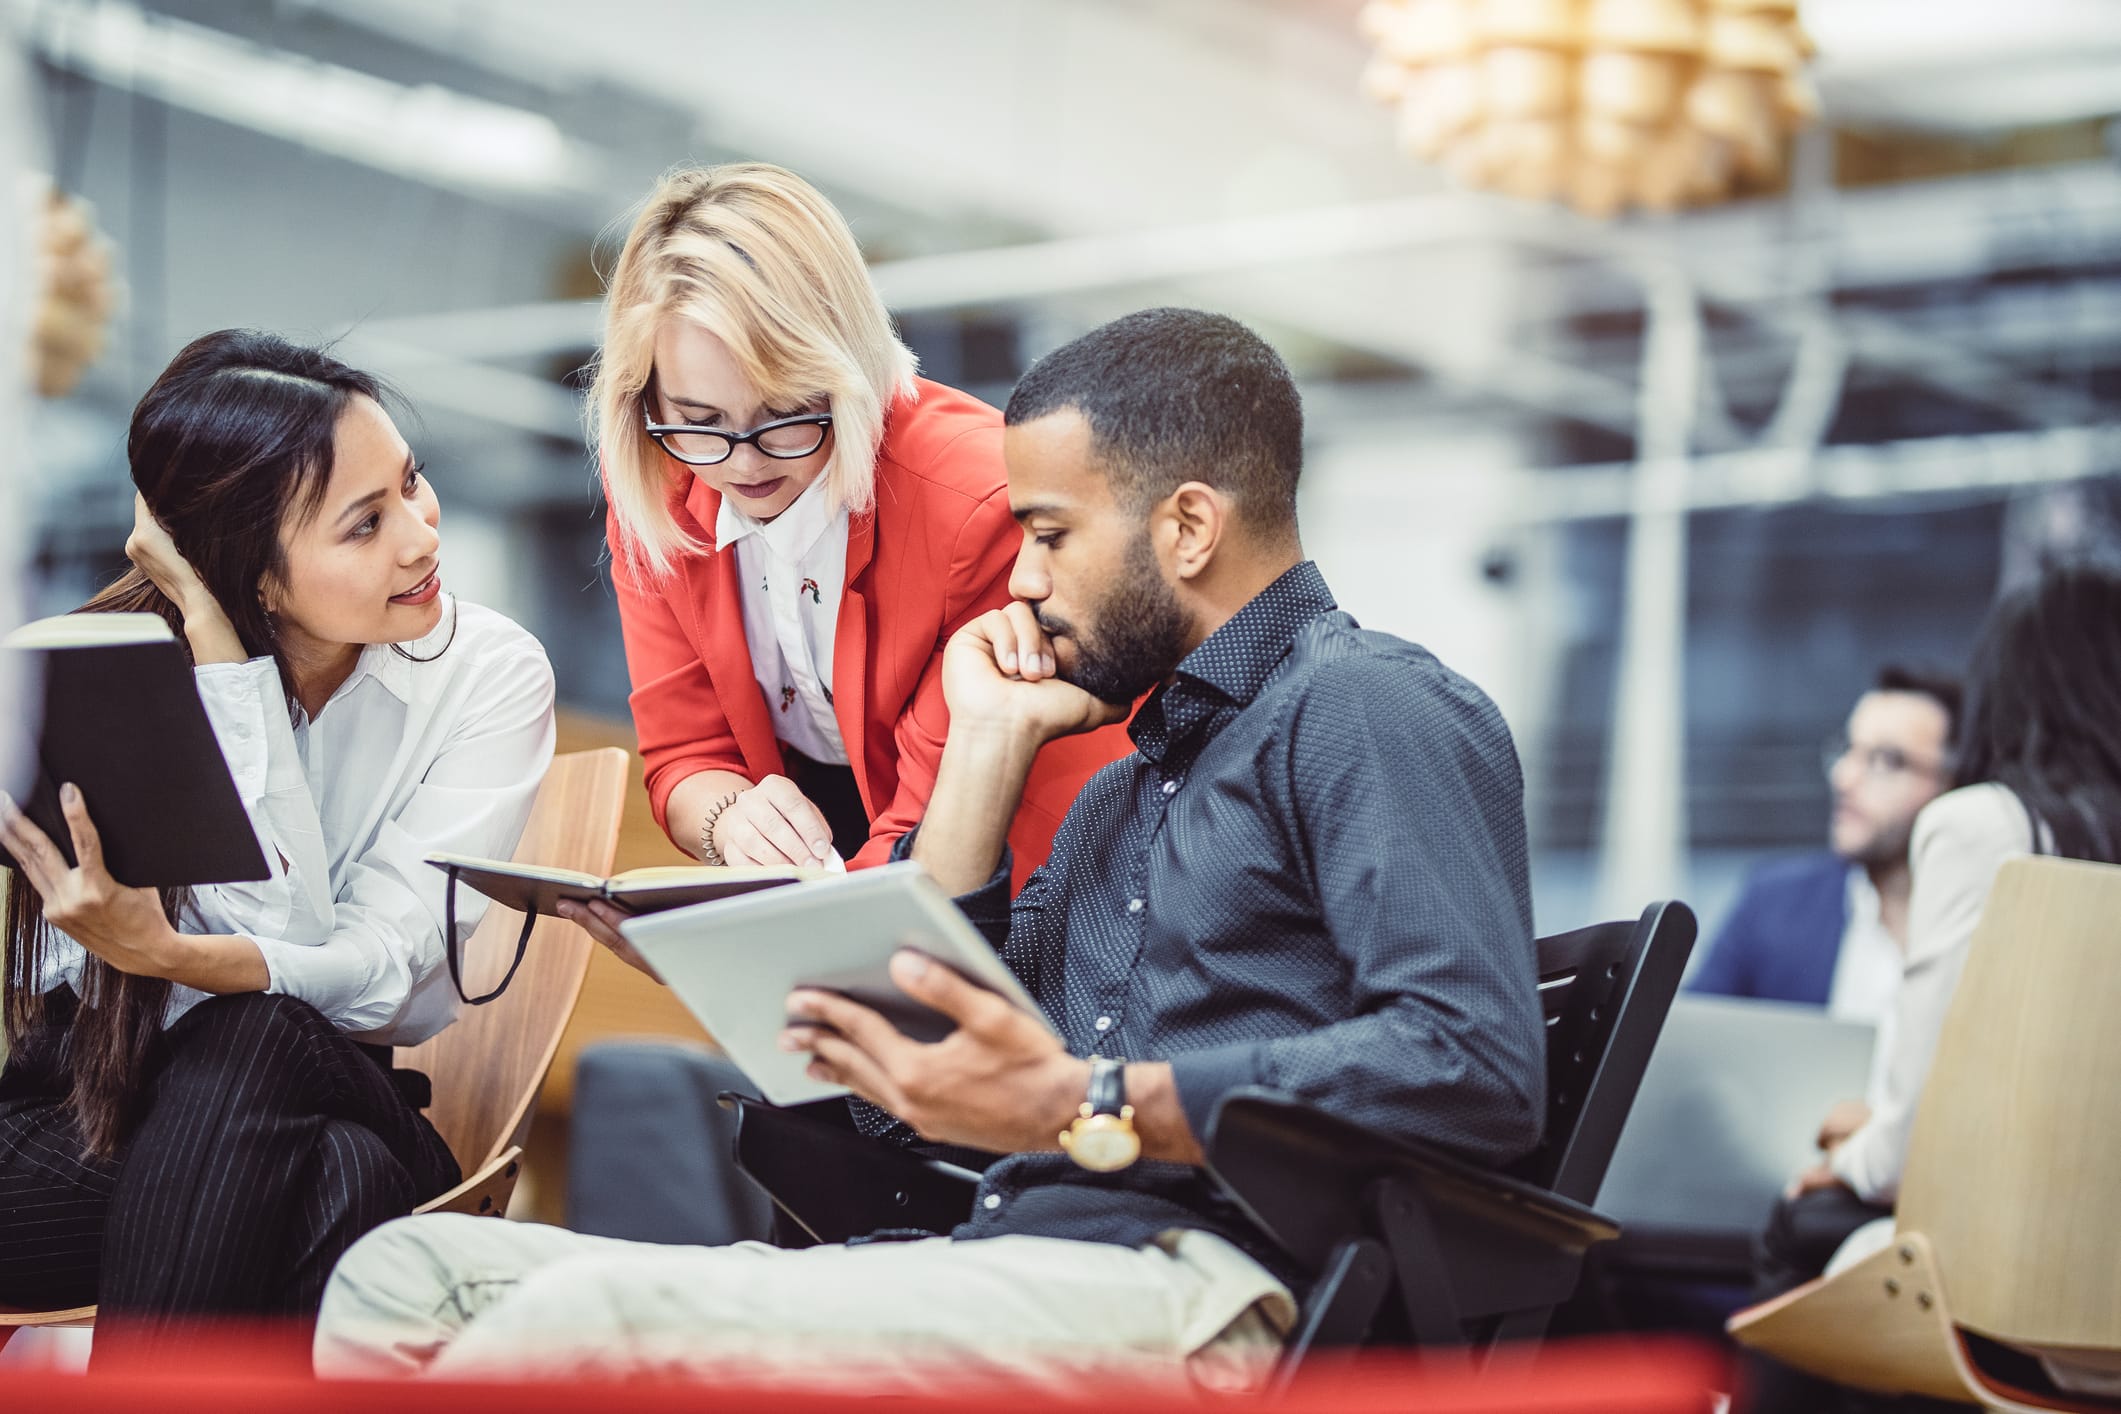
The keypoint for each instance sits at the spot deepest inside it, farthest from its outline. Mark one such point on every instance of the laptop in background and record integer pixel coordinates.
(1726, 1115)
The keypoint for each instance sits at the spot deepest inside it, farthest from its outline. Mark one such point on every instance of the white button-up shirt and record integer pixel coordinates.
(1867, 973)
(1961, 840)
(405, 760)
(793, 570)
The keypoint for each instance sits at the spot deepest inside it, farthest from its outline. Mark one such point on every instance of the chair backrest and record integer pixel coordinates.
(488, 1065)
(2015, 1161)
(1605, 990)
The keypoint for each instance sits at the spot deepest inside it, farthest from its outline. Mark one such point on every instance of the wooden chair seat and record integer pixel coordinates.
(1894, 1297)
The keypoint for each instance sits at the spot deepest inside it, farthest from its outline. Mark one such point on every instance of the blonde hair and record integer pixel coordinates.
(758, 257)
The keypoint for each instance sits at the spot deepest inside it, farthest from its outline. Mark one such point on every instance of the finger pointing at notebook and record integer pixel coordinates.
(773, 823)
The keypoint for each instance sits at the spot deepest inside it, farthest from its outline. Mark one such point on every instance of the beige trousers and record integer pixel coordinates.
(464, 1297)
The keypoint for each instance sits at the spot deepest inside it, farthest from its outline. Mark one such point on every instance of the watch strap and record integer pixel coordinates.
(1108, 1085)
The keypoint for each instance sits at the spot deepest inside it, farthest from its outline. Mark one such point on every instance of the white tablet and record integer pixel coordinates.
(733, 962)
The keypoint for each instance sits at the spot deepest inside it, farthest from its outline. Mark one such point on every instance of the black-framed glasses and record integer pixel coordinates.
(783, 439)
(1875, 760)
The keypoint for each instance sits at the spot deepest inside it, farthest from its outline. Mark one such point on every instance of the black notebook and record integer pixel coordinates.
(121, 719)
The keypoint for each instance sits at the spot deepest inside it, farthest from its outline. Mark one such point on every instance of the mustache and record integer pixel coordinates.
(1052, 627)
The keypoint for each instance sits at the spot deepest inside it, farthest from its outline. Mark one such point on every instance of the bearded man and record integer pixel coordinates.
(1310, 875)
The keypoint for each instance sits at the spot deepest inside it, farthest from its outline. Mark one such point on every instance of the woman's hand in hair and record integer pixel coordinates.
(123, 926)
(213, 638)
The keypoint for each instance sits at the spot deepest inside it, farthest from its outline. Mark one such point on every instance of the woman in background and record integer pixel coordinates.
(198, 1112)
(2039, 766)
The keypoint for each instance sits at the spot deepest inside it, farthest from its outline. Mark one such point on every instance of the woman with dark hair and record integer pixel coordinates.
(2039, 771)
(197, 1113)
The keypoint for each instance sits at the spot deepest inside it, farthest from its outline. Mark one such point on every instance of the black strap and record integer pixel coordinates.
(1108, 1085)
(456, 962)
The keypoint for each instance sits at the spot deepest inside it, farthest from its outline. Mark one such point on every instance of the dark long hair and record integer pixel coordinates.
(232, 440)
(2043, 707)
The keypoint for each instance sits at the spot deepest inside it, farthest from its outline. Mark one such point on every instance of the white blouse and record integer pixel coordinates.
(1961, 840)
(793, 571)
(406, 759)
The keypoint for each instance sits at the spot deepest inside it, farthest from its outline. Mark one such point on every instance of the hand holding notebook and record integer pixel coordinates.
(120, 717)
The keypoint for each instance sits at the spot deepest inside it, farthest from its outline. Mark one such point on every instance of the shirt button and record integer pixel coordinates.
(991, 1201)
(1170, 787)
(1104, 1023)
(1134, 905)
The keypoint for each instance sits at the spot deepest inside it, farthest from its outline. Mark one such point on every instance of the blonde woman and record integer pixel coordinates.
(798, 523)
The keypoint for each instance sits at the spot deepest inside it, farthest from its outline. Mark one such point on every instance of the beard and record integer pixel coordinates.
(1137, 632)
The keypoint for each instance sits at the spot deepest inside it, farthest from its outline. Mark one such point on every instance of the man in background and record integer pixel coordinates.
(1830, 929)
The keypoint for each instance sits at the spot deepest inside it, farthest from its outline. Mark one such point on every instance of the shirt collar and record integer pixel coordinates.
(392, 668)
(791, 535)
(1234, 662)
(1237, 659)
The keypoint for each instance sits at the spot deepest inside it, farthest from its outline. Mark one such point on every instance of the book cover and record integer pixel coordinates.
(119, 715)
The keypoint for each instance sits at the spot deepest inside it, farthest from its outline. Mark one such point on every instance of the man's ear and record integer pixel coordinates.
(1198, 517)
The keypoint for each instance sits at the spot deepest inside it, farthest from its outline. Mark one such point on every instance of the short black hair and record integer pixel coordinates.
(1178, 395)
(1939, 686)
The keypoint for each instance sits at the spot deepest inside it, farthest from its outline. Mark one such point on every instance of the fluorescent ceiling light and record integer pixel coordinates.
(424, 132)
(1869, 37)
(1967, 66)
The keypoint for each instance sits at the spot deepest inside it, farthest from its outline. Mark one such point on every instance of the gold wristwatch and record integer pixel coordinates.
(1102, 1138)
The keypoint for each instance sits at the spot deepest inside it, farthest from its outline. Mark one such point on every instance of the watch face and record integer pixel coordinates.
(1104, 1143)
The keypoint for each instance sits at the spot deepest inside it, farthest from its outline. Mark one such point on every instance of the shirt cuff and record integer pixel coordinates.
(1202, 1078)
(236, 699)
(335, 980)
(1853, 1163)
(986, 907)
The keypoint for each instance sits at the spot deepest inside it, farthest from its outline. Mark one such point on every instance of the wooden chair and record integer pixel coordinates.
(2008, 1229)
(1400, 1241)
(487, 1067)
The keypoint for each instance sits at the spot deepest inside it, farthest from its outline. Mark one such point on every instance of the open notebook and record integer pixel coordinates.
(532, 888)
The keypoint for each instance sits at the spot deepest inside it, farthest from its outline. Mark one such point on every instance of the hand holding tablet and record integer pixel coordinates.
(735, 963)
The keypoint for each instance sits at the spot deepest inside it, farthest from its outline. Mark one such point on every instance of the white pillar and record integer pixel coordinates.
(1643, 841)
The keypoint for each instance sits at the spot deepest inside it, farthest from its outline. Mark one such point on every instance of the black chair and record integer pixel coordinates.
(1473, 1256)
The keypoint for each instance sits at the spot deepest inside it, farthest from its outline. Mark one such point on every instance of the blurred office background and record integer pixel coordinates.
(1670, 487)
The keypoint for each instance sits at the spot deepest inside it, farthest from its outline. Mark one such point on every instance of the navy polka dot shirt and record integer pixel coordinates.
(1311, 875)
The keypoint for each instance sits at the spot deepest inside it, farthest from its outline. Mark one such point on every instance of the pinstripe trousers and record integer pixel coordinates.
(269, 1142)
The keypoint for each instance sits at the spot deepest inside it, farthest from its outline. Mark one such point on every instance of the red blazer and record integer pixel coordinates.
(933, 554)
